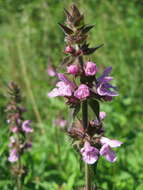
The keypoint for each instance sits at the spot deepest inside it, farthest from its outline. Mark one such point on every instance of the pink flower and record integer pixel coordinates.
(73, 69)
(90, 69)
(106, 150)
(89, 153)
(13, 157)
(82, 92)
(26, 126)
(64, 87)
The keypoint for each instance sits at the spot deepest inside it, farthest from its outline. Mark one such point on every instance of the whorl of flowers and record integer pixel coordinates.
(82, 82)
(20, 129)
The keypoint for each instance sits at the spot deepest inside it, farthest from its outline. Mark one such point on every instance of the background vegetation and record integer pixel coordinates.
(30, 40)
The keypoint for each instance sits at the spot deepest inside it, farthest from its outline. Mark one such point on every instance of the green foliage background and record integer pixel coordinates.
(30, 39)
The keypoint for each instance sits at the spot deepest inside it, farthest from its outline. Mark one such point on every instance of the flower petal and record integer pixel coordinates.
(26, 126)
(63, 78)
(13, 157)
(106, 72)
(108, 153)
(54, 93)
(103, 90)
(102, 115)
(111, 143)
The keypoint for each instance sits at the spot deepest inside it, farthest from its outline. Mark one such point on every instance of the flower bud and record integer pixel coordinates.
(73, 69)
(69, 49)
(90, 69)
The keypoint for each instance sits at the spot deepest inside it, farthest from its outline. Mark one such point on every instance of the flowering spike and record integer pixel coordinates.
(83, 88)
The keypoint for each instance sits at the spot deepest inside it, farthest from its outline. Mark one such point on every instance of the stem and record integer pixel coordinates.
(19, 185)
(85, 114)
(88, 183)
(19, 182)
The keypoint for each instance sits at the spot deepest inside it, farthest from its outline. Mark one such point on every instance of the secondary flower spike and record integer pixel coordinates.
(19, 129)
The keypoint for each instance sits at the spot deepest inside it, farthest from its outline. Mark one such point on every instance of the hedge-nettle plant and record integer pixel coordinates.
(20, 129)
(83, 87)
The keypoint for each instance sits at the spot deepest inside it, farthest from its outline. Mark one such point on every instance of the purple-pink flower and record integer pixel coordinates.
(89, 153)
(106, 150)
(82, 92)
(64, 87)
(26, 126)
(90, 68)
(103, 86)
(13, 157)
(73, 69)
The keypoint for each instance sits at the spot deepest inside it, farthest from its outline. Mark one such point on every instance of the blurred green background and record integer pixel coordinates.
(30, 40)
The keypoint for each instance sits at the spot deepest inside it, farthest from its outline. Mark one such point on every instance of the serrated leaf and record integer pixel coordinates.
(94, 104)
(66, 29)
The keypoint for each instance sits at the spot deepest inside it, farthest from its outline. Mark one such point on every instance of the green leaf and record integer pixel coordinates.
(76, 110)
(94, 104)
